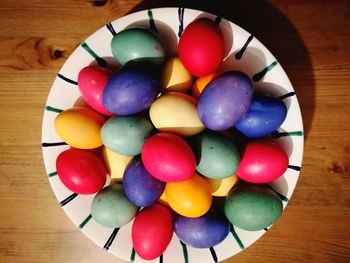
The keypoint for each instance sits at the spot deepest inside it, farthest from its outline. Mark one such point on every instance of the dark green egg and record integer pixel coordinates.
(252, 207)
(137, 43)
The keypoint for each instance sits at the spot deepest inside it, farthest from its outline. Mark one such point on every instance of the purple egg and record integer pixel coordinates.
(132, 89)
(225, 100)
(202, 232)
(141, 188)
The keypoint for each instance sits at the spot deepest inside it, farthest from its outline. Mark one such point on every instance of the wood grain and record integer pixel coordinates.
(309, 38)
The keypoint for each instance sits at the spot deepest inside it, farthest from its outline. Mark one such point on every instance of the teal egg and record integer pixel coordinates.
(137, 43)
(126, 134)
(111, 208)
(217, 156)
(252, 207)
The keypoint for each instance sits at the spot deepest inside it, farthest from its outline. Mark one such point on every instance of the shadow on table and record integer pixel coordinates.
(274, 30)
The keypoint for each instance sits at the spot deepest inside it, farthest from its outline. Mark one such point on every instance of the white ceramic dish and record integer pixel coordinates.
(244, 52)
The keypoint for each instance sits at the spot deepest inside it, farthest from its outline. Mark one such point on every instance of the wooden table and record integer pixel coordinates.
(310, 39)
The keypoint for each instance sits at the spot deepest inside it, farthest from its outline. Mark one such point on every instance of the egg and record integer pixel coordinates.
(168, 157)
(111, 208)
(221, 187)
(141, 188)
(252, 207)
(80, 127)
(132, 89)
(263, 161)
(91, 82)
(115, 163)
(152, 231)
(201, 83)
(201, 47)
(225, 100)
(135, 43)
(264, 116)
(217, 156)
(202, 232)
(177, 113)
(175, 76)
(126, 134)
(190, 198)
(81, 171)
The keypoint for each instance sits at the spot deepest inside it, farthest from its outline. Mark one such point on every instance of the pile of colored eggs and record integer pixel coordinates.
(165, 144)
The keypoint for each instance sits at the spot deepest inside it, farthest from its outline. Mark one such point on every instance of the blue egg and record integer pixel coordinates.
(141, 188)
(265, 115)
(202, 232)
(225, 100)
(132, 89)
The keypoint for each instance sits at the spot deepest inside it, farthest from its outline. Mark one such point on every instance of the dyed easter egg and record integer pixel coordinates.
(201, 83)
(136, 43)
(152, 231)
(115, 163)
(126, 134)
(177, 113)
(202, 232)
(175, 76)
(80, 127)
(132, 89)
(201, 47)
(262, 162)
(81, 171)
(190, 198)
(91, 82)
(225, 100)
(221, 187)
(264, 116)
(111, 208)
(141, 188)
(217, 156)
(252, 207)
(168, 157)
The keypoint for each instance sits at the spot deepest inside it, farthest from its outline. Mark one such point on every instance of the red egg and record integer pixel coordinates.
(81, 171)
(152, 231)
(168, 157)
(262, 162)
(91, 82)
(201, 47)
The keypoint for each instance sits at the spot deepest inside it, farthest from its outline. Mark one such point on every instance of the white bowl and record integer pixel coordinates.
(169, 21)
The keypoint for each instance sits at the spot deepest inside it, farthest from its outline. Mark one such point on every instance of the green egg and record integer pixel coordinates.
(111, 208)
(217, 156)
(137, 43)
(126, 134)
(252, 207)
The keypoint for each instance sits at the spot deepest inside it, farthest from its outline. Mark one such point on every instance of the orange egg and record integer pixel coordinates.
(190, 198)
(201, 83)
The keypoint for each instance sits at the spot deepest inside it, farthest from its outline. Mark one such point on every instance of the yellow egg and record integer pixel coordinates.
(177, 113)
(175, 76)
(190, 198)
(221, 187)
(115, 163)
(162, 199)
(80, 127)
(201, 83)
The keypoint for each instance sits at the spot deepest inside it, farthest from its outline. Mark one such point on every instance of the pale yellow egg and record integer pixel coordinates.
(115, 163)
(221, 187)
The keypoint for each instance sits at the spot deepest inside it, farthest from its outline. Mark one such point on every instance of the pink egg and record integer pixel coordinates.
(152, 231)
(262, 162)
(91, 82)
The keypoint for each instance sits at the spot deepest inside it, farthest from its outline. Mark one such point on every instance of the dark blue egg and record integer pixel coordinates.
(202, 232)
(141, 188)
(225, 100)
(132, 89)
(264, 116)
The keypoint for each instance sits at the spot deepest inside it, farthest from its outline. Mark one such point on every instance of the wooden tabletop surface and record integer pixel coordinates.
(311, 39)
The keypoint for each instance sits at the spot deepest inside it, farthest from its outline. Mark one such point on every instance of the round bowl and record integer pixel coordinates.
(243, 52)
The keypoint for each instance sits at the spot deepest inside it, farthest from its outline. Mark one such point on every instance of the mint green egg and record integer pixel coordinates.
(111, 208)
(252, 207)
(217, 156)
(137, 43)
(126, 134)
